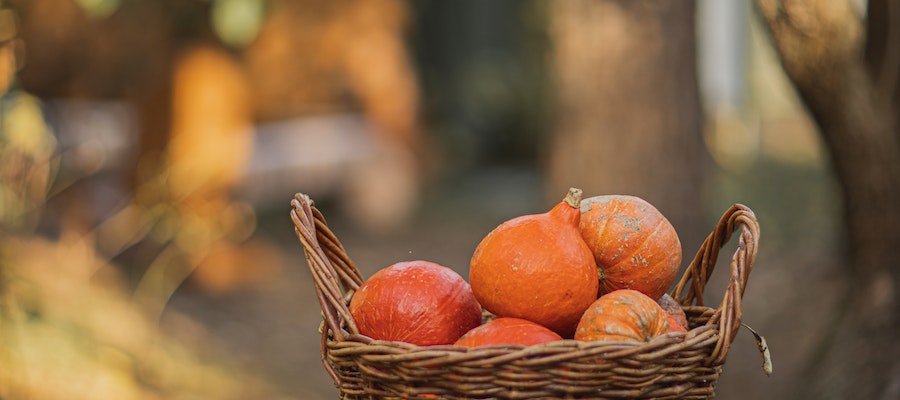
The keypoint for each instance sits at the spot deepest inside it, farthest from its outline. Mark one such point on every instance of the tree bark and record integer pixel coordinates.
(846, 74)
(628, 117)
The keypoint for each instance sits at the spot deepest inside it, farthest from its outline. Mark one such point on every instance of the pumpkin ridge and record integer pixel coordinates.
(628, 259)
(601, 236)
(660, 224)
(640, 245)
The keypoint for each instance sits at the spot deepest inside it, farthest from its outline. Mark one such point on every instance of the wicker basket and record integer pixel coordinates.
(672, 366)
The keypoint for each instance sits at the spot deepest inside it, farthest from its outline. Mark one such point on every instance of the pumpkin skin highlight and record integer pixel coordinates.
(418, 302)
(634, 245)
(507, 330)
(537, 267)
(623, 315)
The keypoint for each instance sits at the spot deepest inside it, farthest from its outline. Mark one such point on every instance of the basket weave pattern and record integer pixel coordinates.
(672, 366)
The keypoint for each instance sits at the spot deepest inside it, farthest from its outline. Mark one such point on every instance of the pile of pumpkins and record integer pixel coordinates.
(594, 269)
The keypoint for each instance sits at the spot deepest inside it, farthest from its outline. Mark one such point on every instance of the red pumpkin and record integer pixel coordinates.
(418, 302)
(634, 245)
(677, 318)
(623, 315)
(537, 267)
(507, 330)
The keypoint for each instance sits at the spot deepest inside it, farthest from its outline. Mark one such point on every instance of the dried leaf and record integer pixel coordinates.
(763, 350)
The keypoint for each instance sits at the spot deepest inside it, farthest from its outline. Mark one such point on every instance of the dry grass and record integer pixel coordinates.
(70, 331)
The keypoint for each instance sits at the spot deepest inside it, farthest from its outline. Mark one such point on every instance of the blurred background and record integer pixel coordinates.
(149, 151)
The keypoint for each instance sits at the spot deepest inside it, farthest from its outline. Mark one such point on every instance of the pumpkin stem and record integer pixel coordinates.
(573, 198)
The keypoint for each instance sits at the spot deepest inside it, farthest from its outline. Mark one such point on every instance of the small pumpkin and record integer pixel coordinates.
(677, 318)
(623, 315)
(418, 302)
(537, 267)
(507, 330)
(675, 325)
(634, 245)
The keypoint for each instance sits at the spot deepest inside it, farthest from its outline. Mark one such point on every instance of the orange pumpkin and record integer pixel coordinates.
(537, 267)
(675, 325)
(677, 318)
(506, 330)
(634, 245)
(623, 315)
(418, 302)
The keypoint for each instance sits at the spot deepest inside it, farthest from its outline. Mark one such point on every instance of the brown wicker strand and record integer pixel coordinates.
(350, 275)
(729, 314)
(331, 297)
(325, 295)
(741, 264)
(323, 350)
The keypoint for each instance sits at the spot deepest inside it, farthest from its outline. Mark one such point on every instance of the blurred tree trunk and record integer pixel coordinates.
(845, 67)
(628, 116)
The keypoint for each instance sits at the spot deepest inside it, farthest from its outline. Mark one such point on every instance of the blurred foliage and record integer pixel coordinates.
(71, 327)
(27, 149)
(99, 8)
(237, 22)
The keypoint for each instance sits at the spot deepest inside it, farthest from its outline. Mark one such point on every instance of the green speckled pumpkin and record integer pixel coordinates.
(623, 315)
(634, 245)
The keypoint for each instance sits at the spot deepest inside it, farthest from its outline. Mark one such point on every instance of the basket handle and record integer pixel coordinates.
(334, 273)
(689, 289)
